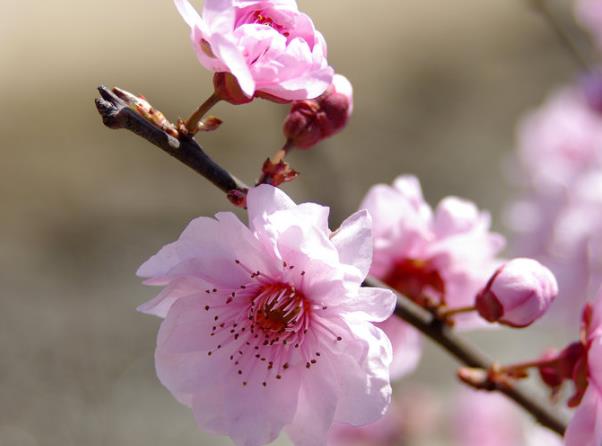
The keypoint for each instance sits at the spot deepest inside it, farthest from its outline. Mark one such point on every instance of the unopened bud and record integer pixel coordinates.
(227, 89)
(518, 293)
(310, 121)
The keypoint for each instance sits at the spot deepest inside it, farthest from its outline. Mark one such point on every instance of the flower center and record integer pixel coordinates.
(279, 308)
(417, 279)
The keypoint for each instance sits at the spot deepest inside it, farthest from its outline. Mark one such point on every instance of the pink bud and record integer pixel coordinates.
(518, 293)
(313, 120)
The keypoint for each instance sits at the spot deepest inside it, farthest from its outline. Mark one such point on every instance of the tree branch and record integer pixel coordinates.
(117, 114)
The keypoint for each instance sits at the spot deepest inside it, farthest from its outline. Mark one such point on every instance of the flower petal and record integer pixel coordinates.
(585, 428)
(371, 304)
(354, 241)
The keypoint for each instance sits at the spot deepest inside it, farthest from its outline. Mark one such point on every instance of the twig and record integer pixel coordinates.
(564, 35)
(116, 114)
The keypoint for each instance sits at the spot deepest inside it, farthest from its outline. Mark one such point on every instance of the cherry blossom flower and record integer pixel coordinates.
(310, 121)
(444, 256)
(267, 327)
(518, 293)
(269, 47)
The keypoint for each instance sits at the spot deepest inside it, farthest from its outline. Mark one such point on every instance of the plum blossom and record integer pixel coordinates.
(269, 47)
(557, 219)
(445, 255)
(518, 293)
(266, 327)
(311, 121)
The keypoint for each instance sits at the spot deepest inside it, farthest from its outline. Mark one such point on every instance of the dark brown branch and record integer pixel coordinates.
(116, 114)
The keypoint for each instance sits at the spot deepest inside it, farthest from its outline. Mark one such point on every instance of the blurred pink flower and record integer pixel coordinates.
(413, 413)
(310, 121)
(490, 419)
(585, 428)
(589, 13)
(559, 218)
(518, 293)
(486, 419)
(565, 132)
(271, 48)
(267, 327)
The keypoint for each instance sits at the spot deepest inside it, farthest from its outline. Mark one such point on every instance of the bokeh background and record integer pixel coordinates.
(439, 87)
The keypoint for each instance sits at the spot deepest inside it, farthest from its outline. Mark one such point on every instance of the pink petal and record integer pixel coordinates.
(372, 304)
(353, 240)
(316, 408)
(177, 289)
(407, 346)
(264, 200)
(188, 13)
(585, 428)
(231, 56)
(362, 371)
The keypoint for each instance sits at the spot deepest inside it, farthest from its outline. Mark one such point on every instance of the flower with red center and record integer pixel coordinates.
(268, 47)
(267, 327)
(435, 258)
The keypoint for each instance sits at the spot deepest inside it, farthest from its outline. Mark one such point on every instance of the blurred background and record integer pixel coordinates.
(439, 88)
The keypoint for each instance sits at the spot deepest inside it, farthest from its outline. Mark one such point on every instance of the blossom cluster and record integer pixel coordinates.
(267, 325)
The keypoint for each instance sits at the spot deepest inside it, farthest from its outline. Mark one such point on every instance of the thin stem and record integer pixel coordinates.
(521, 366)
(192, 123)
(566, 38)
(281, 154)
(449, 312)
(117, 114)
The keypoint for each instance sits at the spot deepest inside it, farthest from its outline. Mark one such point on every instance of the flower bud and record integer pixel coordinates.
(313, 120)
(518, 293)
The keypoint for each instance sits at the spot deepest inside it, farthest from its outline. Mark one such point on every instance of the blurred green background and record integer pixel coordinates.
(439, 87)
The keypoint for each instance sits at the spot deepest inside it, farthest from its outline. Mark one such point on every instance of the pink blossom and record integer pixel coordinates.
(311, 121)
(589, 13)
(585, 428)
(486, 419)
(565, 132)
(518, 293)
(446, 255)
(490, 419)
(267, 327)
(271, 48)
